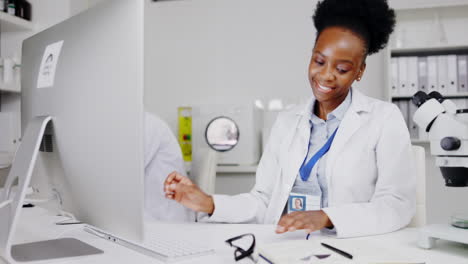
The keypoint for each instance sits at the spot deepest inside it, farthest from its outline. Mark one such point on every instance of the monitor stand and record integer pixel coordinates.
(428, 235)
(12, 203)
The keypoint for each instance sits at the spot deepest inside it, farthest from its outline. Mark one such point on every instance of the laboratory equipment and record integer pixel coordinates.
(447, 129)
(234, 130)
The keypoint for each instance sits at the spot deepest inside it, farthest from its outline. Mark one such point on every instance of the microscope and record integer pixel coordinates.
(447, 129)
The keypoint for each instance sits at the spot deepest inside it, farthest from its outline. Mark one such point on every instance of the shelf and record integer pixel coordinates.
(9, 90)
(452, 96)
(11, 23)
(426, 51)
(402, 5)
(236, 168)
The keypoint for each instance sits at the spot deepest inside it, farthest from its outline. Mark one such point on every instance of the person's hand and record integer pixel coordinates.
(309, 220)
(184, 191)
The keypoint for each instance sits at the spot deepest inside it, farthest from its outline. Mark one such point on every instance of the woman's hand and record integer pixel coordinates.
(184, 191)
(309, 220)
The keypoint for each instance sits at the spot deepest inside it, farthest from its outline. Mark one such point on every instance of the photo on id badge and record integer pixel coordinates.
(297, 203)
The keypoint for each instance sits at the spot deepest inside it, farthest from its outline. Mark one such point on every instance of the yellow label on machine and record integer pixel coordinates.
(185, 132)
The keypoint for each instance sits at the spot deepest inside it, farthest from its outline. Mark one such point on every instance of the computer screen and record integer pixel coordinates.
(87, 74)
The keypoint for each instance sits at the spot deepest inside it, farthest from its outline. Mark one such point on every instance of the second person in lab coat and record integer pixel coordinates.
(162, 156)
(346, 155)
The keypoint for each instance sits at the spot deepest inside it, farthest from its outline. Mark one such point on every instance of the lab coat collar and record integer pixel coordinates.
(337, 113)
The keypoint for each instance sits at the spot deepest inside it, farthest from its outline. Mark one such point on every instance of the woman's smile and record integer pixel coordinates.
(323, 89)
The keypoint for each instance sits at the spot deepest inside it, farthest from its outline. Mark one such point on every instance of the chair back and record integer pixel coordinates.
(203, 168)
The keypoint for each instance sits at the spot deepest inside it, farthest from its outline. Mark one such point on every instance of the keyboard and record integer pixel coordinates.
(162, 248)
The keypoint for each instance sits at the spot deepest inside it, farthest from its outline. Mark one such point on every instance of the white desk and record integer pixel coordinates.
(38, 224)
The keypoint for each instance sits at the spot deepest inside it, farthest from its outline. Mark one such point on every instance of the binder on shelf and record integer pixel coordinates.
(422, 74)
(457, 102)
(394, 76)
(403, 75)
(431, 73)
(462, 73)
(442, 74)
(460, 103)
(413, 127)
(403, 106)
(412, 75)
(452, 74)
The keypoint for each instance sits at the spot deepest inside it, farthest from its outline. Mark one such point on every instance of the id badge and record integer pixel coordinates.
(303, 202)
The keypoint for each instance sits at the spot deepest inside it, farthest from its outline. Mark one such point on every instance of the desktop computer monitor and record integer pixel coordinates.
(86, 73)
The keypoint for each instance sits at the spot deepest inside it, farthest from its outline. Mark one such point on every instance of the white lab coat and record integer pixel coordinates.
(162, 156)
(370, 171)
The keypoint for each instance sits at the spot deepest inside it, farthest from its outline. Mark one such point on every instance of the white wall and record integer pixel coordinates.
(91, 3)
(206, 51)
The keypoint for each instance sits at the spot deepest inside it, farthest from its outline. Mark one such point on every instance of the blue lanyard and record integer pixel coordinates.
(307, 168)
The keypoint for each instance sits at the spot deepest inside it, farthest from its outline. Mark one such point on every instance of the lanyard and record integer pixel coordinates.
(307, 168)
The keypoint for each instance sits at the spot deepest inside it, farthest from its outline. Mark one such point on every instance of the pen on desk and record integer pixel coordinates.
(339, 251)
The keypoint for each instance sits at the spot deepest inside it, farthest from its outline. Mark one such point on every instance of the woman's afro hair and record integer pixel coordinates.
(372, 20)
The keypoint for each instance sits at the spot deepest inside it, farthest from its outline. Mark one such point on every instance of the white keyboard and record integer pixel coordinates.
(173, 250)
(167, 250)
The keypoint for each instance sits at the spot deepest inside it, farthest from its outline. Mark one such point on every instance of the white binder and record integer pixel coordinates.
(403, 106)
(413, 128)
(460, 103)
(394, 76)
(422, 74)
(403, 75)
(452, 74)
(432, 73)
(442, 74)
(462, 73)
(412, 76)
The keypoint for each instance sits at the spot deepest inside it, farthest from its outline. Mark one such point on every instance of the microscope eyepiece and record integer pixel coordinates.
(436, 95)
(420, 98)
